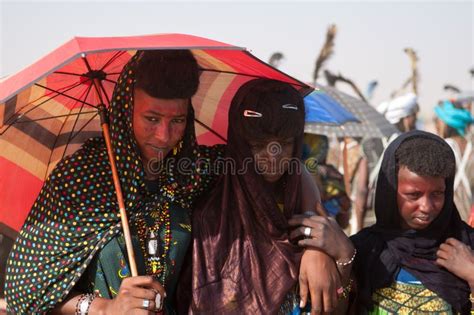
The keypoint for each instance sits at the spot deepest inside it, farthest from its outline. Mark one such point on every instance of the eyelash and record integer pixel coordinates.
(151, 119)
(415, 195)
(177, 120)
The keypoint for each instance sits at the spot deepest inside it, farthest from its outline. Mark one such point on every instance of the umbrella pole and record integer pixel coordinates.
(118, 191)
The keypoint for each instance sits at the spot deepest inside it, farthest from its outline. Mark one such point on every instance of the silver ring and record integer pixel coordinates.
(145, 304)
(307, 232)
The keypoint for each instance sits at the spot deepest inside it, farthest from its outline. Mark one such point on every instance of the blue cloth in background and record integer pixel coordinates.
(322, 108)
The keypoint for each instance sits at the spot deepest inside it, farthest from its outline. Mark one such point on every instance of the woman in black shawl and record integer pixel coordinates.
(243, 262)
(396, 267)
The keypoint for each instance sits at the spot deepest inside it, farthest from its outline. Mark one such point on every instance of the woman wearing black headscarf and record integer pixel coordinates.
(243, 262)
(395, 267)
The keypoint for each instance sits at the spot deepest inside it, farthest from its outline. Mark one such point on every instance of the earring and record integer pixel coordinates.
(178, 147)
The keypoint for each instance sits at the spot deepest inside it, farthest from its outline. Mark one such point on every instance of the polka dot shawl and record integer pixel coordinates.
(76, 212)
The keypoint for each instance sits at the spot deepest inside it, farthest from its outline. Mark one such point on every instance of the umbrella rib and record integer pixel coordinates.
(54, 145)
(81, 75)
(85, 95)
(43, 102)
(65, 149)
(62, 127)
(52, 150)
(112, 59)
(65, 95)
(52, 117)
(80, 110)
(101, 86)
(15, 120)
(231, 72)
(110, 81)
(245, 75)
(90, 119)
(87, 123)
(68, 73)
(75, 122)
(210, 129)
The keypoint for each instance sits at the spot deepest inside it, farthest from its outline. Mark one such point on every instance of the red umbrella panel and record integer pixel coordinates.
(49, 109)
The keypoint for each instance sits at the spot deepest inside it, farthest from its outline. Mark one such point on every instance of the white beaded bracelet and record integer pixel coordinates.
(348, 262)
(84, 303)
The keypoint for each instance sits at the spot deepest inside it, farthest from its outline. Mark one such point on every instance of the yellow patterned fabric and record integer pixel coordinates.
(408, 298)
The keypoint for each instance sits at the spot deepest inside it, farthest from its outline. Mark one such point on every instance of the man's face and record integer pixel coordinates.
(409, 122)
(158, 124)
(420, 199)
(272, 157)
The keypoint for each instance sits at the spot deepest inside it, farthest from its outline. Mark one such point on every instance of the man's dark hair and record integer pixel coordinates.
(167, 74)
(426, 157)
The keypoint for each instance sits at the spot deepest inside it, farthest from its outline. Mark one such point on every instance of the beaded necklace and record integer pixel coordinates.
(155, 248)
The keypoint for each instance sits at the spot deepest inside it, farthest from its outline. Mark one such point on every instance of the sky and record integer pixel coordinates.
(369, 43)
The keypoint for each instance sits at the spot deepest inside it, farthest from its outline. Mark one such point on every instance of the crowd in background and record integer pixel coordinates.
(453, 121)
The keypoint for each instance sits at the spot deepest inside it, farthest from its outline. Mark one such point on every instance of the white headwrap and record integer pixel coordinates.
(398, 108)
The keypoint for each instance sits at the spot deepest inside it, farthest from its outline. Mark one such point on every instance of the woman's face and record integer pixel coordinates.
(158, 124)
(272, 157)
(420, 199)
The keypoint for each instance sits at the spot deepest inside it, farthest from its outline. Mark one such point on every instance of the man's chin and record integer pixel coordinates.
(153, 162)
(157, 157)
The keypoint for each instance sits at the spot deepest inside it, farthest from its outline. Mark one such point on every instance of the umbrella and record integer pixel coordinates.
(50, 108)
(371, 123)
(321, 108)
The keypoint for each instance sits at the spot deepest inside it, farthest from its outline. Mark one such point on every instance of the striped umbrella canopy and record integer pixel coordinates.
(370, 123)
(49, 109)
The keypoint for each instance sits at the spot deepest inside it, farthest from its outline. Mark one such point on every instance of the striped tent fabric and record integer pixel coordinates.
(49, 109)
(371, 124)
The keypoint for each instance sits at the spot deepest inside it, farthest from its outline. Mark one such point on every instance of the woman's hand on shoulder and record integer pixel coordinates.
(321, 233)
(137, 295)
(458, 258)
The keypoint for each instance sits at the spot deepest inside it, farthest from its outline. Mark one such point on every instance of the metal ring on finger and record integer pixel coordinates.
(307, 232)
(146, 304)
